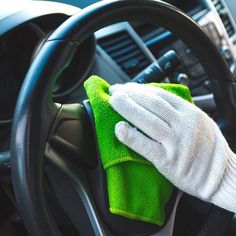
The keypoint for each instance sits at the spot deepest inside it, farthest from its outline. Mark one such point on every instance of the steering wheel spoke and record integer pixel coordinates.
(71, 135)
(71, 188)
(69, 155)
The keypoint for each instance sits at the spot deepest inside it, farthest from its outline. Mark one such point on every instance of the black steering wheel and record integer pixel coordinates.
(40, 125)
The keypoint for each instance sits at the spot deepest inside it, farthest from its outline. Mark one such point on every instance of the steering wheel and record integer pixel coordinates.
(39, 124)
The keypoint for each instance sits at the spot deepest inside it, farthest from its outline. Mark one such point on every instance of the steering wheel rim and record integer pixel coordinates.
(35, 112)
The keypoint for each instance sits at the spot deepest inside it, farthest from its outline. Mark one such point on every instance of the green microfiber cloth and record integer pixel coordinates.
(135, 188)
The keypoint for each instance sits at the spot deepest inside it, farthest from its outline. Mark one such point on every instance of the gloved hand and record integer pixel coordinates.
(182, 142)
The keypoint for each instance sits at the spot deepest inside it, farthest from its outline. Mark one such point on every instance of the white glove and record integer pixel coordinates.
(182, 142)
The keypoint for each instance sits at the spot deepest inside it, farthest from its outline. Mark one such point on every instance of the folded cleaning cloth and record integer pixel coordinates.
(135, 188)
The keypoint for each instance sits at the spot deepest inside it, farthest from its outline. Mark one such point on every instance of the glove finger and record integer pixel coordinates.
(143, 119)
(126, 88)
(157, 105)
(138, 142)
(134, 88)
(150, 101)
(131, 88)
(177, 102)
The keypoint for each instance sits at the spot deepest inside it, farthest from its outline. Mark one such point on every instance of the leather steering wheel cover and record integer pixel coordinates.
(31, 123)
(30, 131)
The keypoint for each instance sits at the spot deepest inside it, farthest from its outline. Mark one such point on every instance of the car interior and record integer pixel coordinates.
(52, 182)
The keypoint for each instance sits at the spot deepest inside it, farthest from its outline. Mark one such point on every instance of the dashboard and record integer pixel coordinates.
(117, 52)
(152, 42)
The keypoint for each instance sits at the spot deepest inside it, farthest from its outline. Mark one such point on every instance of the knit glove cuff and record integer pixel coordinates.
(225, 196)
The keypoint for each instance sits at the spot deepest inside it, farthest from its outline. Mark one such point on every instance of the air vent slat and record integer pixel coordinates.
(222, 11)
(123, 49)
(148, 31)
(128, 56)
(137, 59)
(133, 72)
(116, 47)
(113, 41)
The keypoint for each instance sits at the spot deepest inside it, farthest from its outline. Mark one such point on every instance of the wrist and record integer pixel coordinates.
(225, 196)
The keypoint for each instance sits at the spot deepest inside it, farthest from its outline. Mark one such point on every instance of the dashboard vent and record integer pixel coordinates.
(222, 11)
(153, 36)
(148, 31)
(122, 48)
